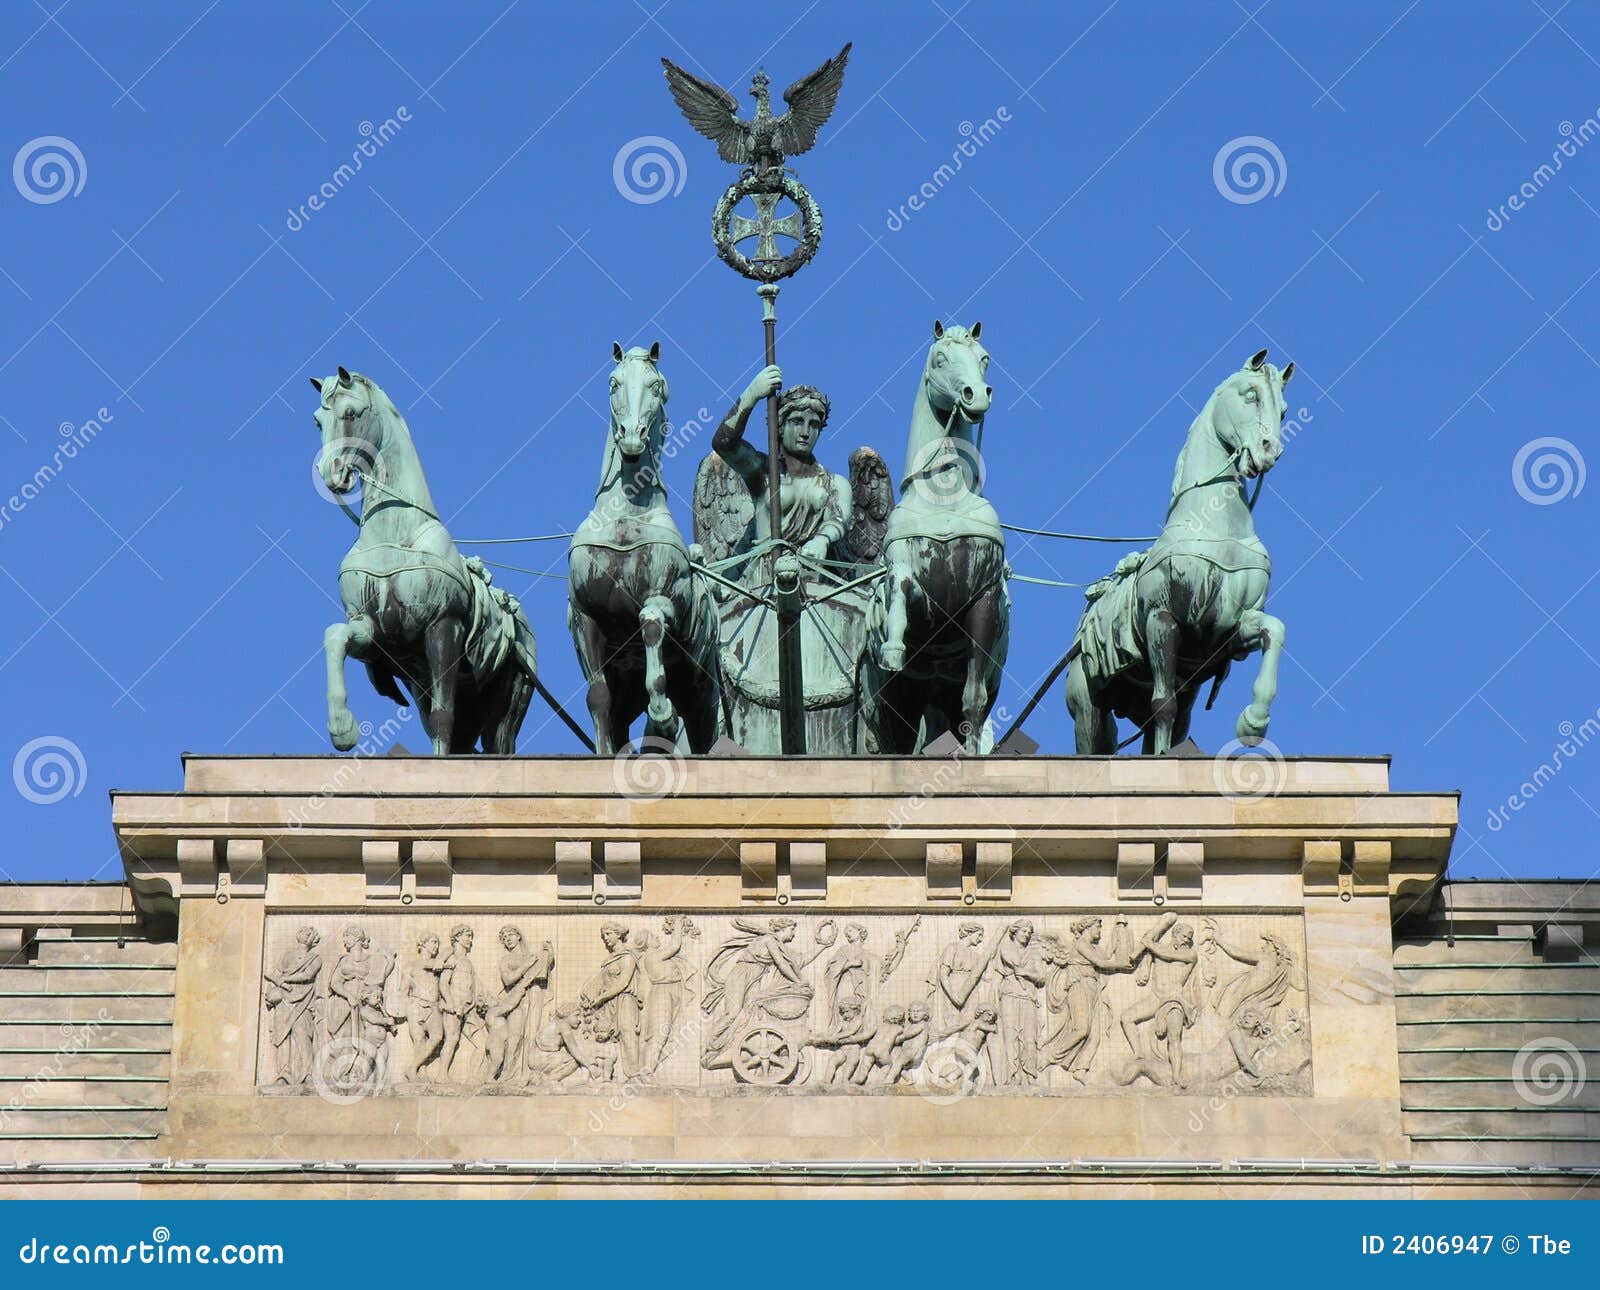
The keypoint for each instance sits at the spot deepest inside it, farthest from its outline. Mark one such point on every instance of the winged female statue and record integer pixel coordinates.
(835, 524)
(761, 143)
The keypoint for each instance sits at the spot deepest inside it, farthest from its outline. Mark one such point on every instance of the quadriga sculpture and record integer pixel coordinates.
(939, 626)
(644, 626)
(416, 611)
(1169, 619)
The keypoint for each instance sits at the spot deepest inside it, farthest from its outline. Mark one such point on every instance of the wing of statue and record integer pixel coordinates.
(714, 112)
(810, 101)
(871, 498)
(723, 508)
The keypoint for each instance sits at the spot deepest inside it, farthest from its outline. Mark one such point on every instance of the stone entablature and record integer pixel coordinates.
(1244, 1009)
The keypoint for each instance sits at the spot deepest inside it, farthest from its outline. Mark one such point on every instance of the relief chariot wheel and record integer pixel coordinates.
(765, 1055)
(802, 225)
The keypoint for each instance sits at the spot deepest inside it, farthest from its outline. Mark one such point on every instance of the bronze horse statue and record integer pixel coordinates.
(415, 610)
(644, 625)
(939, 626)
(1169, 619)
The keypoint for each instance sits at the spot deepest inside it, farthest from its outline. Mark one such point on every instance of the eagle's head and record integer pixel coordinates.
(760, 88)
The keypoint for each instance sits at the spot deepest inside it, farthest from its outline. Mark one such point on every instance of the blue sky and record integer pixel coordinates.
(167, 587)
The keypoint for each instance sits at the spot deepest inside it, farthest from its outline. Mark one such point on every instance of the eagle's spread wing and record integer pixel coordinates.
(810, 101)
(712, 111)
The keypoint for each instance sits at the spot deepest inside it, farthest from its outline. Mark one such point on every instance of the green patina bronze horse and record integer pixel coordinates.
(939, 627)
(645, 627)
(416, 611)
(1172, 618)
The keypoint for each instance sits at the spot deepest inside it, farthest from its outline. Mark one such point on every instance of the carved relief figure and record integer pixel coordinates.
(912, 1045)
(295, 1007)
(424, 1018)
(661, 964)
(1172, 1004)
(1248, 1001)
(955, 978)
(1020, 975)
(830, 1055)
(879, 1050)
(524, 974)
(1073, 991)
(611, 997)
(458, 995)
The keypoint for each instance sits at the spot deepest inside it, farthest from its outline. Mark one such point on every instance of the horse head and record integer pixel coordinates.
(1247, 412)
(638, 400)
(351, 427)
(956, 378)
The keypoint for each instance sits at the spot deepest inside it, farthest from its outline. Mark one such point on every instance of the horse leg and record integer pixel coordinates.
(349, 639)
(1161, 648)
(1265, 633)
(892, 652)
(591, 645)
(1094, 728)
(655, 624)
(443, 642)
(983, 630)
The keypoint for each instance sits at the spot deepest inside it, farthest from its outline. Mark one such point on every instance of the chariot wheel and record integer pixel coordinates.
(765, 1055)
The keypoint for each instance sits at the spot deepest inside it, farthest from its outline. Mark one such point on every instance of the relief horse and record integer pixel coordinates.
(416, 611)
(644, 625)
(1180, 614)
(937, 638)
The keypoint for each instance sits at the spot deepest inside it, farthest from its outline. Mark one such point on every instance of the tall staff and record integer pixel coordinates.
(760, 146)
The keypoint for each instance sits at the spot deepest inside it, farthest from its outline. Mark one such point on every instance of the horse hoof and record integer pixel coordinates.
(660, 711)
(1252, 727)
(343, 731)
(893, 657)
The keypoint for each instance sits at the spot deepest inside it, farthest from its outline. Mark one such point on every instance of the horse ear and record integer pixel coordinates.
(1287, 373)
(316, 385)
(938, 329)
(616, 351)
(344, 377)
(655, 350)
(1255, 363)
(976, 330)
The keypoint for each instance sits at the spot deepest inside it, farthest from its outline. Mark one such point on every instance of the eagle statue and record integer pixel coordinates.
(763, 142)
